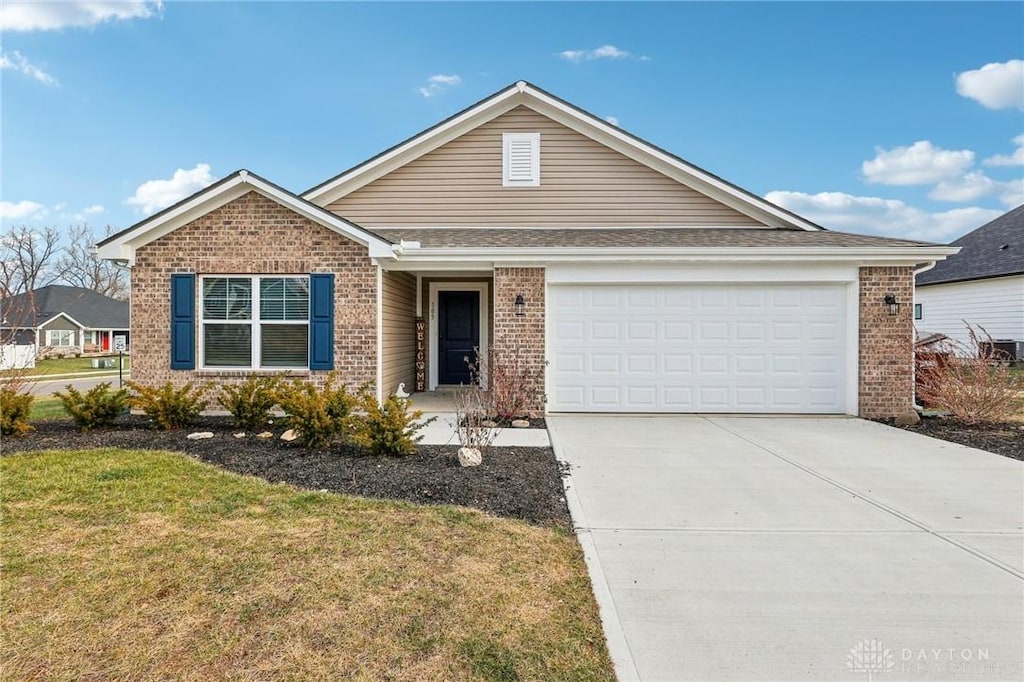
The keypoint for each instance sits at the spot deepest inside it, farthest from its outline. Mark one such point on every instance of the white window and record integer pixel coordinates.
(60, 337)
(89, 337)
(918, 311)
(520, 159)
(255, 322)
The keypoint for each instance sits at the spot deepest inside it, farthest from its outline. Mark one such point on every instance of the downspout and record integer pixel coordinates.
(913, 302)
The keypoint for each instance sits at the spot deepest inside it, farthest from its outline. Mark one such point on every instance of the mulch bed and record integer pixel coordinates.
(1002, 439)
(515, 482)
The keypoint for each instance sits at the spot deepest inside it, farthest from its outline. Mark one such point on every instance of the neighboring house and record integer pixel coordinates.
(635, 281)
(982, 285)
(62, 320)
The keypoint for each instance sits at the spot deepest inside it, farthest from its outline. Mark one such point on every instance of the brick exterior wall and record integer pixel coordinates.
(886, 343)
(253, 235)
(523, 335)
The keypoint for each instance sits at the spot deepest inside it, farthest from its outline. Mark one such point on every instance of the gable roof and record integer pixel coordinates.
(84, 307)
(122, 245)
(583, 122)
(996, 249)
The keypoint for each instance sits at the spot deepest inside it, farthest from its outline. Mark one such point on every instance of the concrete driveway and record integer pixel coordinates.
(797, 548)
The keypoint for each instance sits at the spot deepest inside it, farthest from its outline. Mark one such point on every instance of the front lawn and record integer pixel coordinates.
(61, 366)
(129, 564)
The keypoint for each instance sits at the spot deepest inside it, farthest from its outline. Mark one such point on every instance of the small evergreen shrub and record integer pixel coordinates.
(97, 407)
(320, 417)
(251, 401)
(387, 428)
(15, 407)
(167, 406)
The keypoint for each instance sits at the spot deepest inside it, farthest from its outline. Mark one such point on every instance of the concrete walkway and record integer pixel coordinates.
(778, 548)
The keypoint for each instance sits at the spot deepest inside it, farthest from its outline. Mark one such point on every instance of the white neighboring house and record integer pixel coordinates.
(982, 285)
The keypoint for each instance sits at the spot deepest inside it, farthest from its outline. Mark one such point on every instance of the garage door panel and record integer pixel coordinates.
(698, 348)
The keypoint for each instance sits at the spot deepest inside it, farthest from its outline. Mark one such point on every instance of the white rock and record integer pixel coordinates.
(240, 434)
(488, 424)
(521, 423)
(469, 457)
(264, 434)
(289, 435)
(200, 435)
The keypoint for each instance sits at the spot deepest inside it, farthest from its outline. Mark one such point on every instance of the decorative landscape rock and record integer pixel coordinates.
(240, 434)
(521, 423)
(264, 434)
(200, 435)
(488, 424)
(908, 418)
(289, 435)
(469, 457)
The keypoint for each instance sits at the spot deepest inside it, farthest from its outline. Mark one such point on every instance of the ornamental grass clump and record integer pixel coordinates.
(98, 407)
(388, 428)
(251, 401)
(320, 417)
(167, 406)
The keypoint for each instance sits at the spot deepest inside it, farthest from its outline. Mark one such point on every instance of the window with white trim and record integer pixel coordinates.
(255, 322)
(60, 337)
(918, 311)
(520, 159)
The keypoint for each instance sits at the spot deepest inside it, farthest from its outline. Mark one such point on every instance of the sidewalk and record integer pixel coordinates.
(442, 432)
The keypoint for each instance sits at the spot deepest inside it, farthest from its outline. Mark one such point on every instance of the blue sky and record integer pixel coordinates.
(894, 119)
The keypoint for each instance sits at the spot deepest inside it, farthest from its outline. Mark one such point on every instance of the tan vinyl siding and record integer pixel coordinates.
(399, 332)
(583, 184)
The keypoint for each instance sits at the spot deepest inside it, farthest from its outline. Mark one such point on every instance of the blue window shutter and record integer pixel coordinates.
(321, 321)
(183, 321)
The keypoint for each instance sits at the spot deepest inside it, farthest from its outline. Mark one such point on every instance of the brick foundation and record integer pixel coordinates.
(886, 343)
(253, 235)
(521, 334)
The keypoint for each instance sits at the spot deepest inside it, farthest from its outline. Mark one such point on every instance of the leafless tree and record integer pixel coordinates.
(79, 267)
(28, 258)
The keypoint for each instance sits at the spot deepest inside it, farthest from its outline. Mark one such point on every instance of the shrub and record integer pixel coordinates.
(15, 407)
(472, 420)
(387, 428)
(99, 406)
(320, 417)
(972, 381)
(514, 388)
(167, 406)
(251, 401)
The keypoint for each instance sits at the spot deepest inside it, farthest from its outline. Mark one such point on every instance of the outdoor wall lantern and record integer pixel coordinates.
(892, 304)
(520, 305)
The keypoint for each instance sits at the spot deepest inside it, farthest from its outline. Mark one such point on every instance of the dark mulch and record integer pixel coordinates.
(520, 483)
(1002, 439)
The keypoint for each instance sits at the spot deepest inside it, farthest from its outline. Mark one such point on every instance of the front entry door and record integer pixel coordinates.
(458, 332)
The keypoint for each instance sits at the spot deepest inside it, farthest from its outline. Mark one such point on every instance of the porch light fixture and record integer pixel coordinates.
(892, 304)
(520, 305)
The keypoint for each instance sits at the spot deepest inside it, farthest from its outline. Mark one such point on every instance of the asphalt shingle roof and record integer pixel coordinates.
(633, 237)
(995, 249)
(87, 307)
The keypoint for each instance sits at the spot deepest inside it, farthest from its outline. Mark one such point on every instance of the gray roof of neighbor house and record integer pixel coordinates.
(633, 237)
(995, 249)
(85, 306)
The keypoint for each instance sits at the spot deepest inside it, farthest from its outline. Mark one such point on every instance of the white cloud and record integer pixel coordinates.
(613, 120)
(18, 62)
(1014, 159)
(93, 210)
(1012, 194)
(603, 52)
(51, 16)
(153, 195)
(20, 210)
(999, 85)
(921, 163)
(886, 217)
(976, 185)
(83, 215)
(439, 83)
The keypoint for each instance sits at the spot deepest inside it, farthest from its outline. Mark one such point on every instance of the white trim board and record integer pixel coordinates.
(485, 313)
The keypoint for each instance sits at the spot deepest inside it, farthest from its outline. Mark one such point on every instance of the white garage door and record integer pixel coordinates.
(698, 348)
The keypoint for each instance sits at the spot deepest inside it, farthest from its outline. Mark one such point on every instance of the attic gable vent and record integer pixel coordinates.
(520, 159)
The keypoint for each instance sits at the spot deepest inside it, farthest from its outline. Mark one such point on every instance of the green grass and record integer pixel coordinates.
(59, 366)
(47, 408)
(148, 565)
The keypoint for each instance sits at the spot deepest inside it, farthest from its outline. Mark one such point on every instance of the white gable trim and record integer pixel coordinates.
(122, 246)
(523, 93)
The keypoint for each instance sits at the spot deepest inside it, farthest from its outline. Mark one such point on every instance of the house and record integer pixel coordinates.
(633, 280)
(61, 320)
(983, 285)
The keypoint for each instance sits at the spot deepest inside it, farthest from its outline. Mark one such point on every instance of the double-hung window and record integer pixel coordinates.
(60, 337)
(255, 322)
